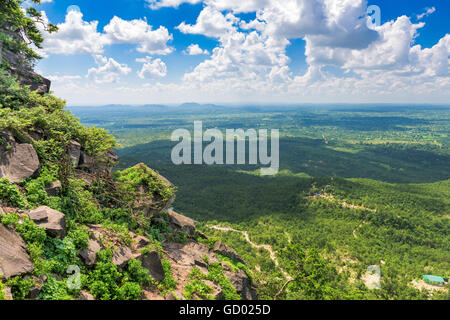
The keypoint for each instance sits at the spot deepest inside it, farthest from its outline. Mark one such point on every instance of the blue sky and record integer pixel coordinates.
(292, 51)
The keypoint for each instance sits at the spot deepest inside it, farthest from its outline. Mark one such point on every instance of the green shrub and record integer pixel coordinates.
(133, 178)
(217, 276)
(2, 292)
(29, 231)
(129, 291)
(36, 194)
(60, 254)
(14, 96)
(197, 288)
(54, 290)
(168, 283)
(20, 288)
(78, 234)
(138, 274)
(10, 194)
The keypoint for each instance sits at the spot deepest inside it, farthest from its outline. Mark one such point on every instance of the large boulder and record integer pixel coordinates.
(36, 289)
(242, 283)
(182, 222)
(14, 259)
(152, 262)
(122, 255)
(18, 162)
(51, 220)
(89, 254)
(191, 254)
(146, 197)
(53, 189)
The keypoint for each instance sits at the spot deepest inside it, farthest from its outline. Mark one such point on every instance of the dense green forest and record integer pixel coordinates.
(358, 186)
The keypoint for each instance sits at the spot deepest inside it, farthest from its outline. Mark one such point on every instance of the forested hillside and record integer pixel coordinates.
(347, 197)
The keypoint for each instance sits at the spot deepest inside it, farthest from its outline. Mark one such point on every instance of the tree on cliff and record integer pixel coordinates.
(19, 28)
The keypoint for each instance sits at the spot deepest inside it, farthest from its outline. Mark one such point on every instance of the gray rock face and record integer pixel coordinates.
(53, 221)
(75, 152)
(190, 254)
(14, 259)
(100, 164)
(19, 162)
(37, 287)
(89, 255)
(152, 204)
(242, 283)
(182, 222)
(24, 72)
(123, 255)
(226, 251)
(53, 189)
(141, 242)
(217, 293)
(152, 262)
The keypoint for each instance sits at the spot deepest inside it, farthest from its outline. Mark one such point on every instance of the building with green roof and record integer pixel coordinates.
(434, 280)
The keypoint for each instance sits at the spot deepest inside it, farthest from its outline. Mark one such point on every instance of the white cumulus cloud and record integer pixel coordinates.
(78, 36)
(152, 68)
(194, 49)
(140, 33)
(108, 70)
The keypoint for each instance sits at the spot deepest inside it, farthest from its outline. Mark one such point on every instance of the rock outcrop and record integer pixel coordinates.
(182, 222)
(152, 262)
(53, 221)
(17, 161)
(14, 259)
(228, 252)
(147, 201)
(242, 283)
(74, 152)
(37, 286)
(89, 255)
(193, 254)
(145, 195)
(122, 255)
(53, 189)
(22, 70)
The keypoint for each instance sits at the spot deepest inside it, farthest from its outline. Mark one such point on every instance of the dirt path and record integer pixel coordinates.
(267, 247)
(346, 205)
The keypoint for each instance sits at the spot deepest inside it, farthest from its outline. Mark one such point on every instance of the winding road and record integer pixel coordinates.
(267, 247)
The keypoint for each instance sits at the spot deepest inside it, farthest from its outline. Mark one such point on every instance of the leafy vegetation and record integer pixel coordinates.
(14, 22)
